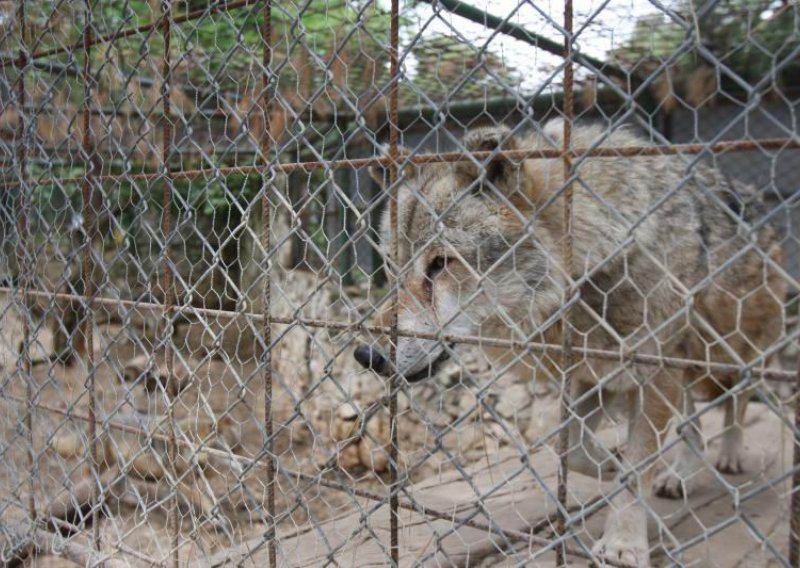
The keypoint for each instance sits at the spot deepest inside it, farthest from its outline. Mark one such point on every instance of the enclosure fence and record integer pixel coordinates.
(559, 238)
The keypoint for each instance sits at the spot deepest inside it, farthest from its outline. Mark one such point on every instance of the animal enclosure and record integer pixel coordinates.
(369, 282)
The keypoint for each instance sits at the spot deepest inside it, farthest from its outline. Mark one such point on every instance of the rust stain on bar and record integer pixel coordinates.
(446, 157)
(394, 135)
(166, 283)
(266, 146)
(566, 330)
(794, 508)
(88, 263)
(24, 266)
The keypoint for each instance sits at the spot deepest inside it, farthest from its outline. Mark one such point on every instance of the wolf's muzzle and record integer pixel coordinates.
(370, 358)
(429, 370)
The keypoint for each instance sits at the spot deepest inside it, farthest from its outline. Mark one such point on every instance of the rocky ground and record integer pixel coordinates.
(330, 419)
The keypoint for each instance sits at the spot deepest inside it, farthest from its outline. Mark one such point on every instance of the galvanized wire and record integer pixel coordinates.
(188, 226)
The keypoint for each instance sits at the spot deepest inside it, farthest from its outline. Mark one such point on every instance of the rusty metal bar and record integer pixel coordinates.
(566, 329)
(794, 508)
(121, 34)
(24, 265)
(447, 157)
(266, 212)
(774, 374)
(87, 342)
(166, 283)
(394, 383)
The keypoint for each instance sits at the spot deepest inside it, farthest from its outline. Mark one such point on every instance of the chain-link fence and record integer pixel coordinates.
(361, 282)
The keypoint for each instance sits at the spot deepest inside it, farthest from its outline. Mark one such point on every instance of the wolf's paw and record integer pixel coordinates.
(621, 550)
(669, 485)
(730, 462)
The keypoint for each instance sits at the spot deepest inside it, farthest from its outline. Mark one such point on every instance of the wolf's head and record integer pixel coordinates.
(467, 258)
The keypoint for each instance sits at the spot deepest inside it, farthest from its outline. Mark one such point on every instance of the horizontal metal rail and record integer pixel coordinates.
(774, 374)
(446, 157)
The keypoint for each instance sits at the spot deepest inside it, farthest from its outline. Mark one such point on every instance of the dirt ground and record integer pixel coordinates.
(318, 396)
(456, 425)
(727, 521)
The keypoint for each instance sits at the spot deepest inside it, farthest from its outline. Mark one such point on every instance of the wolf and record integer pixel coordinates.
(667, 260)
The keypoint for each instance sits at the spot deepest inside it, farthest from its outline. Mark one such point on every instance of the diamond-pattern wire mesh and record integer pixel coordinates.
(576, 222)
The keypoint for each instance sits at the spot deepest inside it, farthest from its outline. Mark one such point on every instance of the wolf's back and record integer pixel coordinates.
(669, 203)
(655, 230)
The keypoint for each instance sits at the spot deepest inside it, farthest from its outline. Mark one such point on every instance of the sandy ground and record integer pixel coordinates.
(315, 390)
(444, 432)
(228, 390)
(727, 521)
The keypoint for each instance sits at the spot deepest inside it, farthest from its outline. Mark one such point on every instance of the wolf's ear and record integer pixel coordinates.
(490, 139)
(381, 173)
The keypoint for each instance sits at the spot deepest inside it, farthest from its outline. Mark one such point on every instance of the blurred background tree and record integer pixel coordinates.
(755, 39)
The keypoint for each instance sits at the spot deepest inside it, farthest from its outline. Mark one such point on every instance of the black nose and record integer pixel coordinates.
(370, 358)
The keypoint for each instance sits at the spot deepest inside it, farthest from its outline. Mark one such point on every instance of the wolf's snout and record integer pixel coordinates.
(370, 358)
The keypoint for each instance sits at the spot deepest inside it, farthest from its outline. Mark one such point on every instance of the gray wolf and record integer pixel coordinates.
(668, 260)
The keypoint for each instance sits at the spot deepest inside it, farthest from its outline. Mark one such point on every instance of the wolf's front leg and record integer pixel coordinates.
(730, 453)
(624, 539)
(675, 481)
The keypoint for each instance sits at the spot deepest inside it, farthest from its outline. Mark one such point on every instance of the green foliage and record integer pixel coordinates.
(751, 37)
(112, 15)
(218, 56)
(443, 60)
(51, 197)
(218, 195)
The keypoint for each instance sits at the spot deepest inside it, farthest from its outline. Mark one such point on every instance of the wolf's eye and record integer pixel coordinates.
(436, 266)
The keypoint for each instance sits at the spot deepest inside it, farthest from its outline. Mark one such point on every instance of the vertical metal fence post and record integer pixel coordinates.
(794, 508)
(166, 285)
(88, 266)
(266, 144)
(566, 338)
(394, 382)
(24, 264)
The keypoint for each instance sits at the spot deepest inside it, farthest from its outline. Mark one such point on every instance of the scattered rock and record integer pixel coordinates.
(468, 402)
(68, 445)
(513, 400)
(348, 412)
(344, 428)
(154, 374)
(349, 457)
